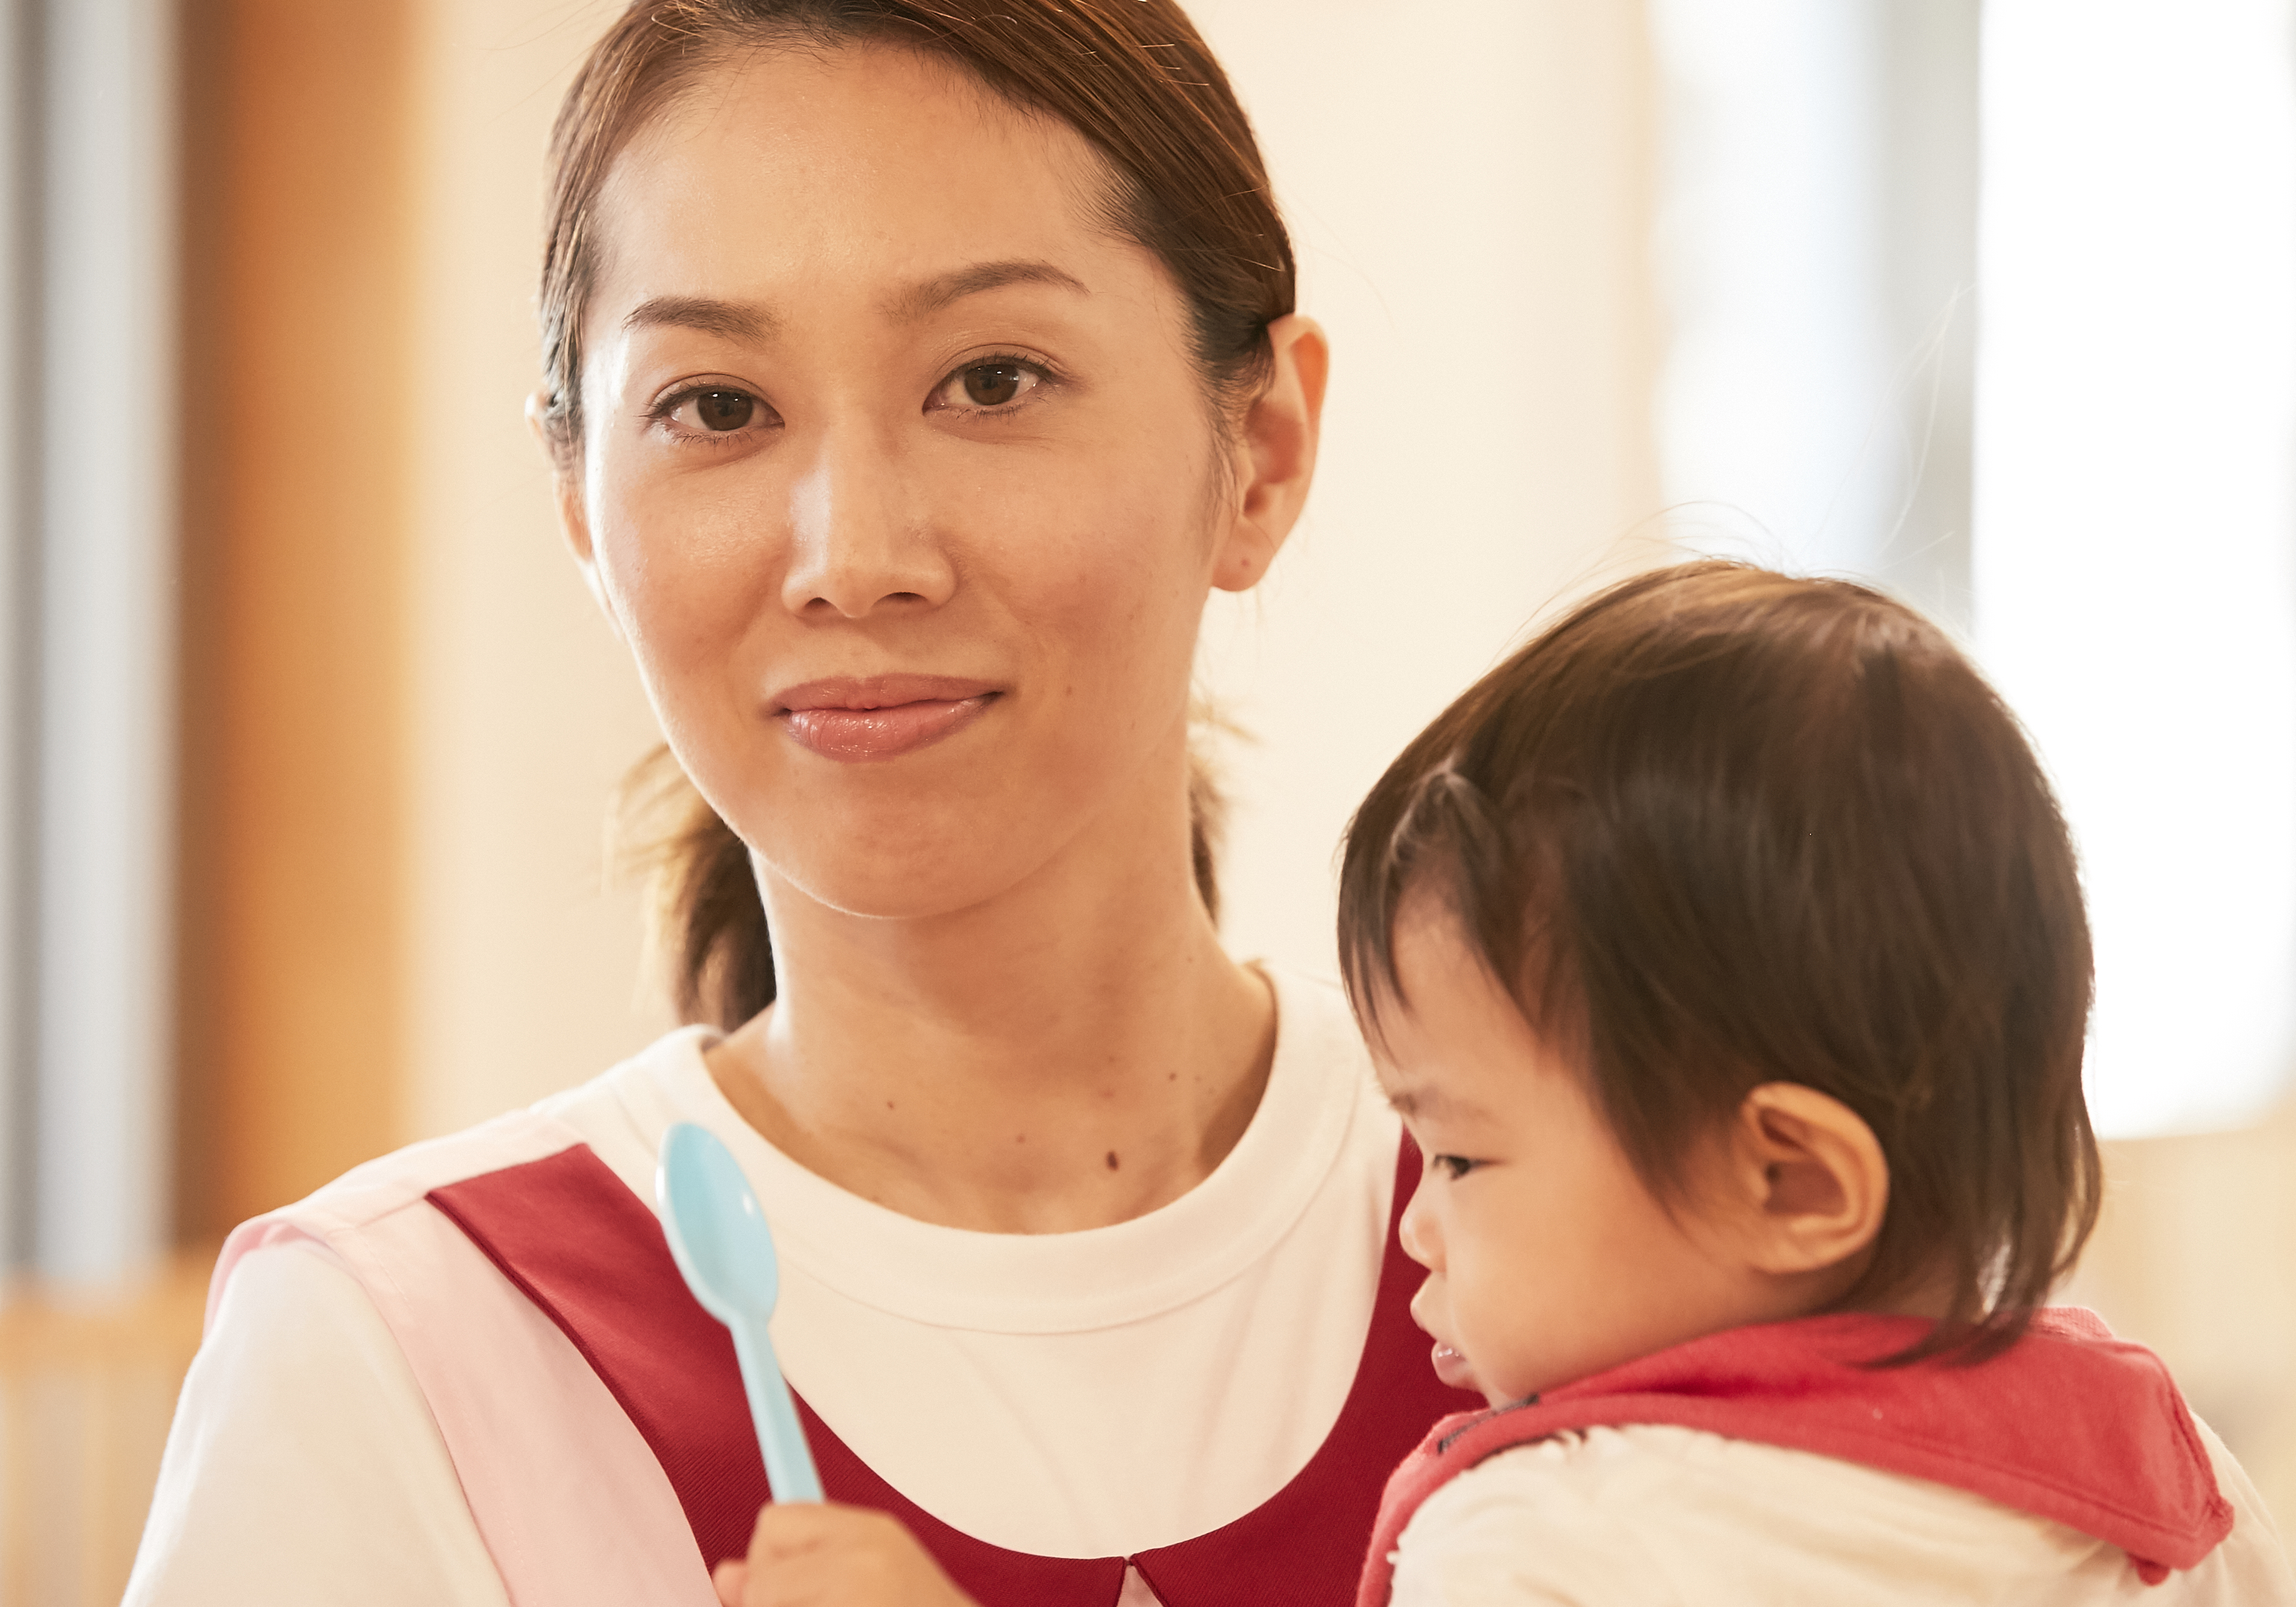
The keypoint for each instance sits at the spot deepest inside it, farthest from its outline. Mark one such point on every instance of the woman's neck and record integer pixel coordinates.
(1073, 1053)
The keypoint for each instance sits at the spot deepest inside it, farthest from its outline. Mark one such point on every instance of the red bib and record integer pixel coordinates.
(2069, 1423)
(591, 1255)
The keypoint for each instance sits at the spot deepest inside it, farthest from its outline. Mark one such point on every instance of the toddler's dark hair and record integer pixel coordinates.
(1720, 827)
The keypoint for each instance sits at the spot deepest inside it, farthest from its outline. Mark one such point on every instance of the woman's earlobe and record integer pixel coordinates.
(574, 521)
(1276, 452)
(538, 423)
(1246, 557)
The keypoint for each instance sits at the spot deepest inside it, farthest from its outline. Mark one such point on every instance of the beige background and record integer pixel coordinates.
(522, 710)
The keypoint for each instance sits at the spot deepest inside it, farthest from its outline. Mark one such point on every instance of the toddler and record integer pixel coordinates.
(1724, 953)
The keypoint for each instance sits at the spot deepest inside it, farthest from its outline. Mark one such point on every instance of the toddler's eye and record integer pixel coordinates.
(996, 384)
(1454, 1167)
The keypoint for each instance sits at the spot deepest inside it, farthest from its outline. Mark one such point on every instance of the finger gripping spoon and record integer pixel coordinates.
(719, 1237)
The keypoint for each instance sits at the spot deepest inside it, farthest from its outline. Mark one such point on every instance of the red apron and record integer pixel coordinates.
(2069, 1423)
(592, 1256)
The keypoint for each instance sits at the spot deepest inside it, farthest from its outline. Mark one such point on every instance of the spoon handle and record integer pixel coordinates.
(780, 1438)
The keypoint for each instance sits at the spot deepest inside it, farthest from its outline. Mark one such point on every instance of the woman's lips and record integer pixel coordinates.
(880, 717)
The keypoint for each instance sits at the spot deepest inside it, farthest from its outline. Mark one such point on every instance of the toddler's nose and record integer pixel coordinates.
(1417, 1235)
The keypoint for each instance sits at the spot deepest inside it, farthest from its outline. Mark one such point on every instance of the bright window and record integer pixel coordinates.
(2134, 550)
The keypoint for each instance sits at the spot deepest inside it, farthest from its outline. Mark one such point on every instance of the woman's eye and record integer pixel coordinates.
(992, 384)
(1455, 1166)
(718, 411)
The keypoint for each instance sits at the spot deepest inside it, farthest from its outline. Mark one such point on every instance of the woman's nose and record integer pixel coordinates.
(860, 538)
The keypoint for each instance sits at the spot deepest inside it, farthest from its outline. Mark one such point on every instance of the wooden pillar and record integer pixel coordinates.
(296, 398)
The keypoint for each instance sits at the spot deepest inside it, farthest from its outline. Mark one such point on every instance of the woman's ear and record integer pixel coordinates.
(1275, 453)
(1808, 1180)
(573, 513)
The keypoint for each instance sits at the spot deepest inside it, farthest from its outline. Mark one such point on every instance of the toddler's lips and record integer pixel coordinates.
(1452, 1368)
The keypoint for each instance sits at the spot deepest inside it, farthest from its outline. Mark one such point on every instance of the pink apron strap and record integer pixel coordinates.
(590, 1254)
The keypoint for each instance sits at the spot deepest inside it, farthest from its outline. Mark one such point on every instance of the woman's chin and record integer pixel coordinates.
(900, 887)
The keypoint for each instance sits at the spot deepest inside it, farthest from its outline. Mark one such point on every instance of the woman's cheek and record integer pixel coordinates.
(687, 579)
(1095, 582)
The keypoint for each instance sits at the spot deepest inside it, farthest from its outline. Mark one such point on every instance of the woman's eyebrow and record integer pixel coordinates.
(755, 320)
(733, 320)
(930, 296)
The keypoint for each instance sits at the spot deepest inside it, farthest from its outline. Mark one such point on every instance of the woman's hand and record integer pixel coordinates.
(819, 1556)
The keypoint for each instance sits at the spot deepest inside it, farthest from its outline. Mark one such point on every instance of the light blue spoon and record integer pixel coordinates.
(722, 1244)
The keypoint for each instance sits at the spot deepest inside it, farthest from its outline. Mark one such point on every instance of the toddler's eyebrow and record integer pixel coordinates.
(1425, 1099)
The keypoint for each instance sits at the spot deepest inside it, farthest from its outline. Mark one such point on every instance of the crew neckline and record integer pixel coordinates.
(1063, 1283)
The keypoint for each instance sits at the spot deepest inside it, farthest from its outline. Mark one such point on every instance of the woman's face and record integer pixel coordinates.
(897, 477)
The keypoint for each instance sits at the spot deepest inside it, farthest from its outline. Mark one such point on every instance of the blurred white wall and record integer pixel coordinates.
(524, 711)
(1468, 184)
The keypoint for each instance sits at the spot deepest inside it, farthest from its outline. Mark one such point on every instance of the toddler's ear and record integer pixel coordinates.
(1814, 1174)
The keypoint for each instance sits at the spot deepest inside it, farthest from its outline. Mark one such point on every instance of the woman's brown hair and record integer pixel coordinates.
(1720, 827)
(1185, 179)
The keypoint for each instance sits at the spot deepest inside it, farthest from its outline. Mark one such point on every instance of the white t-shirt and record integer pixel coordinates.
(1664, 1516)
(1130, 1386)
